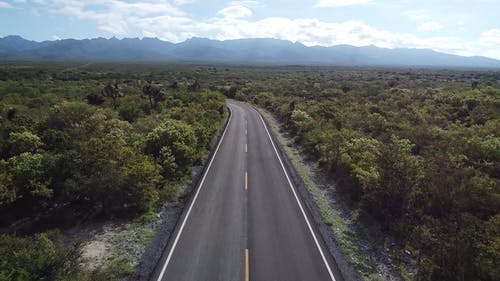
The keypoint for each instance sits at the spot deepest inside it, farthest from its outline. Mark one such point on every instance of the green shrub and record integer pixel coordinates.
(35, 258)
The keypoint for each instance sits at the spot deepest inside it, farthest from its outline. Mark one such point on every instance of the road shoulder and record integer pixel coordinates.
(156, 253)
(346, 269)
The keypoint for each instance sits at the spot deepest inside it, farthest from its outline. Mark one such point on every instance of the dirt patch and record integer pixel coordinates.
(95, 253)
(130, 241)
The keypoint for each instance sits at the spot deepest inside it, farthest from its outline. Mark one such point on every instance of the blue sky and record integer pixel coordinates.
(451, 26)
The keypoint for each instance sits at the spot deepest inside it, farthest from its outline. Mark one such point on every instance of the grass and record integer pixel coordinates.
(119, 268)
(340, 228)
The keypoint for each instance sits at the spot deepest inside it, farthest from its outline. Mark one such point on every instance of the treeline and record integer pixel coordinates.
(73, 151)
(423, 162)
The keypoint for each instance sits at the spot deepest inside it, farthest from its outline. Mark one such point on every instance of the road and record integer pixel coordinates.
(246, 221)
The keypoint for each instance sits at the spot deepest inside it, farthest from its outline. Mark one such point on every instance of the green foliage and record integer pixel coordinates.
(401, 173)
(130, 112)
(487, 148)
(24, 142)
(487, 261)
(114, 175)
(154, 95)
(67, 156)
(36, 258)
(7, 187)
(360, 156)
(174, 144)
(300, 121)
(263, 99)
(194, 87)
(415, 150)
(30, 175)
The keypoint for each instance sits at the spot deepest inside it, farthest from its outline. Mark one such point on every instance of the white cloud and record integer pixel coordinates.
(183, 2)
(5, 5)
(310, 32)
(248, 3)
(491, 37)
(113, 16)
(418, 15)
(236, 11)
(157, 18)
(340, 3)
(430, 26)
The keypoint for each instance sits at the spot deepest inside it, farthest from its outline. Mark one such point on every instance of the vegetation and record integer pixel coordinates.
(76, 146)
(416, 151)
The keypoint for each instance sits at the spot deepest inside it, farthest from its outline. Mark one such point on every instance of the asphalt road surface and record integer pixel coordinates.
(246, 221)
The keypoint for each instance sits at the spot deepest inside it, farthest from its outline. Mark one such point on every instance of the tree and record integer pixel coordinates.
(400, 174)
(36, 258)
(326, 144)
(229, 92)
(174, 145)
(489, 255)
(264, 99)
(154, 94)
(7, 188)
(474, 84)
(113, 176)
(94, 99)
(113, 91)
(130, 112)
(361, 156)
(485, 153)
(345, 89)
(174, 86)
(11, 113)
(30, 176)
(300, 122)
(195, 87)
(24, 142)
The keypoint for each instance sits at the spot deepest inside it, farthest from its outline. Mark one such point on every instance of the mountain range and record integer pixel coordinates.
(257, 51)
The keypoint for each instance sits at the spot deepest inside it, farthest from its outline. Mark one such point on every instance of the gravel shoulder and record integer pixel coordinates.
(133, 243)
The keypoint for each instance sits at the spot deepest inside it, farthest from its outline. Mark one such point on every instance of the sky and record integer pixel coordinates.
(452, 26)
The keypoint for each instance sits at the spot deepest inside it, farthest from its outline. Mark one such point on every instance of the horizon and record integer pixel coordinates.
(156, 38)
(452, 27)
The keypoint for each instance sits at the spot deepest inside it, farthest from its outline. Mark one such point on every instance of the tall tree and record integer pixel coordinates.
(154, 94)
(174, 86)
(195, 87)
(113, 91)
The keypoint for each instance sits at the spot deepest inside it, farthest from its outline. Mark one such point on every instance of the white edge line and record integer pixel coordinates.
(192, 202)
(297, 199)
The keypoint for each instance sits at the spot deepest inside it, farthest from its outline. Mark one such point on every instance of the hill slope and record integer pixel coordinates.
(272, 51)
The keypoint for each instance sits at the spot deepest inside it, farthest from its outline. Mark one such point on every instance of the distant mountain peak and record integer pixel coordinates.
(17, 37)
(254, 50)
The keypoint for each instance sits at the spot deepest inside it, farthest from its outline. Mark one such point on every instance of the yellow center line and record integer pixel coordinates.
(246, 180)
(247, 273)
